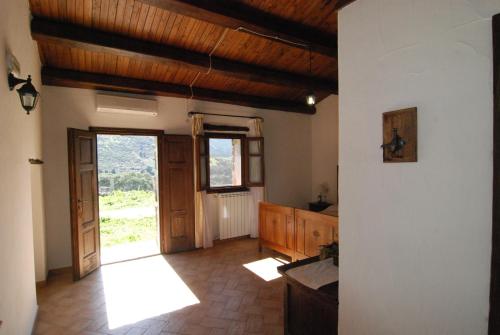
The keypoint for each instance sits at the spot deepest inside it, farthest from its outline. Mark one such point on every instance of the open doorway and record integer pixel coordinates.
(128, 196)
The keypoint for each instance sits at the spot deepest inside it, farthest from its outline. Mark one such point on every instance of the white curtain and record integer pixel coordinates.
(257, 193)
(203, 228)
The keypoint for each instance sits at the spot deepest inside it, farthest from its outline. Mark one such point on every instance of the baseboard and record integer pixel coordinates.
(244, 237)
(60, 271)
(41, 283)
(35, 320)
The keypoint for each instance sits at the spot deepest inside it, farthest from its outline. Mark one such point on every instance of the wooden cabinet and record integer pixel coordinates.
(313, 231)
(295, 232)
(276, 227)
(308, 311)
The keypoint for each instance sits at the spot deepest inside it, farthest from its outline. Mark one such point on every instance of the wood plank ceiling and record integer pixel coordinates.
(167, 52)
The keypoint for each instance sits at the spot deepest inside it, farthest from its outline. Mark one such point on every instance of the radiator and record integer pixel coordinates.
(234, 215)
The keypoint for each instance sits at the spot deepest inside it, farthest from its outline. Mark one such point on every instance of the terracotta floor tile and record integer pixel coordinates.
(224, 296)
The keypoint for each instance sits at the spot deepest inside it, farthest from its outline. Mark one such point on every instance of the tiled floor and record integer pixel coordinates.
(126, 251)
(207, 291)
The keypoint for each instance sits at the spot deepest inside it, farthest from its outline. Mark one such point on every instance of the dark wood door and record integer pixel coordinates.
(177, 194)
(84, 201)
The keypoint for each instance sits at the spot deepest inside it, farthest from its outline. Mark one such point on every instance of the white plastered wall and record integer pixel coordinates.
(20, 139)
(324, 147)
(287, 145)
(416, 237)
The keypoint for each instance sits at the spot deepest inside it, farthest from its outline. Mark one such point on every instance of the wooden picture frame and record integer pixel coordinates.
(402, 122)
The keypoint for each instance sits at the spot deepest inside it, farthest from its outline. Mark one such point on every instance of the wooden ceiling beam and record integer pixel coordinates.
(74, 36)
(239, 16)
(76, 79)
(342, 3)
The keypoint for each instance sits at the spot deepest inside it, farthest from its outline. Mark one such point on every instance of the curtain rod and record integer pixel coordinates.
(190, 114)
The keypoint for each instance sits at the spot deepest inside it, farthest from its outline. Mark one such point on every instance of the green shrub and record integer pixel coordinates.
(130, 199)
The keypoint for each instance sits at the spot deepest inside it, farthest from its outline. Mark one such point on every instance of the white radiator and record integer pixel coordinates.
(234, 214)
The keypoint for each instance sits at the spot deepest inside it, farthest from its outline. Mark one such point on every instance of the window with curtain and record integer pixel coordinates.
(229, 162)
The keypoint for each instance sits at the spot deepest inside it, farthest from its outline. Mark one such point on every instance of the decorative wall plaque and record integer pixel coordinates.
(400, 136)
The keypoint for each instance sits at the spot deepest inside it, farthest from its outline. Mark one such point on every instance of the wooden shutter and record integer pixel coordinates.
(255, 161)
(178, 193)
(201, 147)
(84, 201)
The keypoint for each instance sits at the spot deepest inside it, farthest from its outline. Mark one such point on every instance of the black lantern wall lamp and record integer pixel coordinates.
(27, 93)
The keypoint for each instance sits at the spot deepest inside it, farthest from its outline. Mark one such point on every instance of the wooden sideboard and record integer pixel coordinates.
(308, 311)
(295, 232)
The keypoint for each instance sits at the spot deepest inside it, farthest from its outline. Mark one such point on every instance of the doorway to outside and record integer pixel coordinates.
(128, 196)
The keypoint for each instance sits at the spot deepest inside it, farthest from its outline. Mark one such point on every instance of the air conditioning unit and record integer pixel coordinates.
(125, 105)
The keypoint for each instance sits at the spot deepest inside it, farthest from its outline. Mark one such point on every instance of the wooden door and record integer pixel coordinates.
(177, 194)
(84, 201)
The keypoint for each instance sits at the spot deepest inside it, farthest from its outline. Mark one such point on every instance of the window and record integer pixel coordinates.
(229, 162)
(255, 161)
(225, 162)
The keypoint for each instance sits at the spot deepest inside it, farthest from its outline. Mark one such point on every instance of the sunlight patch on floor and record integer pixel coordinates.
(126, 251)
(143, 289)
(266, 268)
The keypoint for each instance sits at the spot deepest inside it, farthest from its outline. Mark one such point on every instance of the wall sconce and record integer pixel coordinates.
(27, 93)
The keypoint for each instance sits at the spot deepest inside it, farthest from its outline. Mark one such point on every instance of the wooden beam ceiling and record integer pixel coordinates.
(342, 3)
(239, 16)
(74, 36)
(69, 78)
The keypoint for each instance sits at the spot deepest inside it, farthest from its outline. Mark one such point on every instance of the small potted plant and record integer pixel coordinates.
(335, 250)
(330, 250)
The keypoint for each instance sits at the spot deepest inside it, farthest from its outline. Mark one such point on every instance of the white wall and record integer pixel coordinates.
(287, 145)
(19, 141)
(325, 144)
(38, 215)
(416, 237)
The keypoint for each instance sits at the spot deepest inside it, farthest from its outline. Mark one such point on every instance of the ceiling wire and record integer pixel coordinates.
(221, 38)
(273, 37)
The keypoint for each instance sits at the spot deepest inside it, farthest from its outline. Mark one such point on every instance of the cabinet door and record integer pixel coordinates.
(316, 235)
(276, 225)
(267, 231)
(300, 230)
(312, 231)
(290, 232)
(279, 229)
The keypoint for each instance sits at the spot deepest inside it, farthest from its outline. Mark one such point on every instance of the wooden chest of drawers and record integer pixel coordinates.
(308, 311)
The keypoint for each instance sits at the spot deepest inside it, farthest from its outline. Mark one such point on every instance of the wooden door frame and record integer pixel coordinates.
(494, 317)
(159, 148)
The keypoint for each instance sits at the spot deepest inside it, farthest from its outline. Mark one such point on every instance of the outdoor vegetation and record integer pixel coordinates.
(223, 152)
(127, 189)
(127, 199)
(128, 184)
(116, 231)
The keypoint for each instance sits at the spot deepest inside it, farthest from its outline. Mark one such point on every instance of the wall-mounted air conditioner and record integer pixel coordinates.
(125, 105)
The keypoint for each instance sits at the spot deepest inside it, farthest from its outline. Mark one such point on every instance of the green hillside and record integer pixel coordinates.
(121, 154)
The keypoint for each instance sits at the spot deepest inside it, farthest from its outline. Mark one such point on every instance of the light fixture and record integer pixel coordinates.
(310, 98)
(27, 93)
